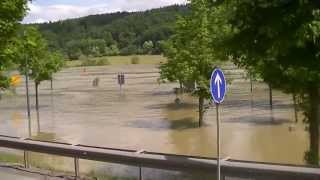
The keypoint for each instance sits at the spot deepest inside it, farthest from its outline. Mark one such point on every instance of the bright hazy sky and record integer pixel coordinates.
(53, 10)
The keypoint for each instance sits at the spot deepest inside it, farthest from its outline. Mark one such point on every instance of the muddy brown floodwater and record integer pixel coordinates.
(144, 116)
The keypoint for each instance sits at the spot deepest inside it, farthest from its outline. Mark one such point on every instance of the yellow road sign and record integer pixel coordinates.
(15, 80)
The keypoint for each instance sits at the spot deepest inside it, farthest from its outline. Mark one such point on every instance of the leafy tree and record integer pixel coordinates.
(44, 69)
(279, 40)
(131, 49)
(158, 47)
(148, 47)
(107, 36)
(112, 50)
(88, 47)
(41, 63)
(73, 50)
(126, 39)
(175, 68)
(190, 56)
(11, 13)
(85, 47)
(100, 45)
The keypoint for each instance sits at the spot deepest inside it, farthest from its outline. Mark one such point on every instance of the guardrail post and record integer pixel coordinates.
(25, 159)
(140, 172)
(140, 167)
(223, 177)
(76, 168)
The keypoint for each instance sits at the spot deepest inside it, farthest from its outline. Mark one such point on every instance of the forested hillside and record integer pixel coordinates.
(120, 33)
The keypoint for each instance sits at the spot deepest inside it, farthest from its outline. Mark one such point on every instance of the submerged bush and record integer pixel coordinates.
(135, 60)
(99, 62)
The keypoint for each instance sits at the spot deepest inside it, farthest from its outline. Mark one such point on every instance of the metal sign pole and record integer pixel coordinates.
(218, 142)
(218, 88)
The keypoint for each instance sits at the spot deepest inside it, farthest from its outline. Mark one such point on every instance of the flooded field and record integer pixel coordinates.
(144, 115)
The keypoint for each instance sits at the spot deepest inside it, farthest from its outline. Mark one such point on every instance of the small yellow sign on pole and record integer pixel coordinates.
(15, 80)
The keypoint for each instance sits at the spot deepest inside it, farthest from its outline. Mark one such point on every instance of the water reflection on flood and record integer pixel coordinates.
(145, 116)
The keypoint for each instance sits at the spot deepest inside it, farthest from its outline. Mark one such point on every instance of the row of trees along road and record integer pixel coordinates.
(32, 54)
(24, 47)
(278, 41)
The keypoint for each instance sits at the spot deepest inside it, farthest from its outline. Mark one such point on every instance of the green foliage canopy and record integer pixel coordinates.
(32, 54)
(280, 41)
(191, 51)
(11, 13)
(122, 32)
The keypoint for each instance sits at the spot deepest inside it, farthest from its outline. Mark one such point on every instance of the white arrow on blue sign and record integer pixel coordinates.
(218, 86)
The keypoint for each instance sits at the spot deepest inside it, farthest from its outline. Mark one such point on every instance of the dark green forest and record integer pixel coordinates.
(120, 33)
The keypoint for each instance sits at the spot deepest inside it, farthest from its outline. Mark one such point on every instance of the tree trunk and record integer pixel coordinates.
(37, 104)
(181, 86)
(270, 97)
(38, 121)
(51, 84)
(201, 110)
(37, 95)
(251, 84)
(295, 106)
(28, 101)
(314, 122)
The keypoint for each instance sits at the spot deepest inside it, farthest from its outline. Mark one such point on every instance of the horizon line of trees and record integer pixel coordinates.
(120, 33)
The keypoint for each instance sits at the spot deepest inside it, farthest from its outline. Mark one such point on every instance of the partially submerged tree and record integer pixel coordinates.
(191, 53)
(148, 47)
(44, 69)
(32, 52)
(280, 40)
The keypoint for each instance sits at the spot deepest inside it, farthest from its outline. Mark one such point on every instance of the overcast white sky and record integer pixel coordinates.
(53, 10)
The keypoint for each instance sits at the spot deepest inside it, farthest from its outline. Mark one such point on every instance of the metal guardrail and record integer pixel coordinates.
(230, 168)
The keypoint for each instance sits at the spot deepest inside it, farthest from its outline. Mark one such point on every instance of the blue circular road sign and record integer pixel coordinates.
(218, 86)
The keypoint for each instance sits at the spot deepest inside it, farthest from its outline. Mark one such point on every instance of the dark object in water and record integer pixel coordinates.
(177, 101)
(95, 82)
